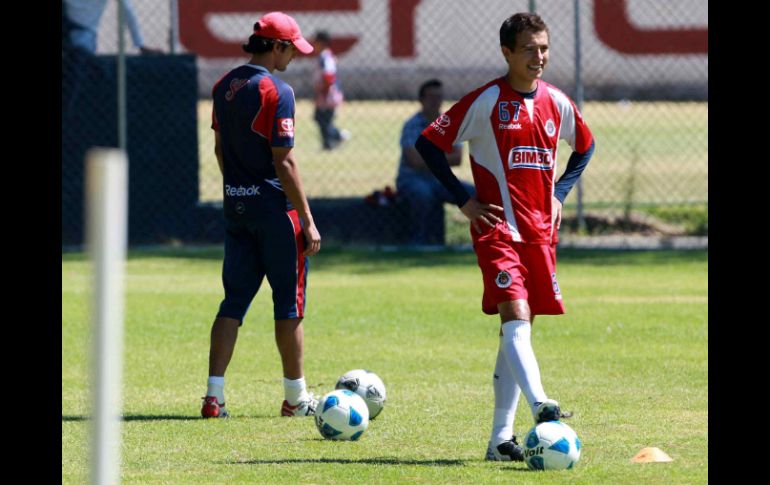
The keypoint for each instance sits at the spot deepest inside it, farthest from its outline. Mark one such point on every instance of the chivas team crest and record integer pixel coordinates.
(503, 279)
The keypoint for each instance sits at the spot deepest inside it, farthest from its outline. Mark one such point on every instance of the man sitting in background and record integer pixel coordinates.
(415, 182)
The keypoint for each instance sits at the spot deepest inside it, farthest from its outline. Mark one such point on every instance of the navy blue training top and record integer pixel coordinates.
(253, 111)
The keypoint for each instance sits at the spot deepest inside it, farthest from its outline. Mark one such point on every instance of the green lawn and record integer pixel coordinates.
(647, 152)
(630, 358)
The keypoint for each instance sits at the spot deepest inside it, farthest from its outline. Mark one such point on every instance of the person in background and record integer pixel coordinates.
(83, 23)
(414, 182)
(328, 93)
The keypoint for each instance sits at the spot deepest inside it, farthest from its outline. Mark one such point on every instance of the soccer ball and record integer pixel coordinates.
(551, 445)
(342, 415)
(366, 384)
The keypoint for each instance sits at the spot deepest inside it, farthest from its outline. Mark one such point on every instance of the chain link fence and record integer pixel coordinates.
(638, 68)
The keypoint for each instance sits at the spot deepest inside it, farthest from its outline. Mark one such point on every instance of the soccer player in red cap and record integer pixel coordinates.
(513, 125)
(269, 228)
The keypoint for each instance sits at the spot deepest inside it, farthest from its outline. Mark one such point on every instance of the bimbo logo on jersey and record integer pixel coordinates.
(530, 157)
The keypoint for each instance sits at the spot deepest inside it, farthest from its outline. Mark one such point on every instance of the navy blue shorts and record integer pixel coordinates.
(271, 246)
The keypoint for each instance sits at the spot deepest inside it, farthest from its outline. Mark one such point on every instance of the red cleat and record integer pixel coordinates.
(212, 408)
(302, 408)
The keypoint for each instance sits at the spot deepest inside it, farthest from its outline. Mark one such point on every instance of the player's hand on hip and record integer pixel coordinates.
(556, 213)
(478, 212)
(312, 239)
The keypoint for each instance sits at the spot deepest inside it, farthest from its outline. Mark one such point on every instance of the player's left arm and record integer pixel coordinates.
(575, 165)
(574, 131)
(282, 144)
(288, 173)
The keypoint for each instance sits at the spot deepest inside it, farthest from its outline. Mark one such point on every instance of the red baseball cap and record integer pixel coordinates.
(278, 25)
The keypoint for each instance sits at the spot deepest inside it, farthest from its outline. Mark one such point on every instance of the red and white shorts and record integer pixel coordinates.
(518, 271)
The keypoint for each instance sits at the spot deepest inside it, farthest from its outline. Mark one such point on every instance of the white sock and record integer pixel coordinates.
(216, 387)
(294, 390)
(521, 358)
(507, 393)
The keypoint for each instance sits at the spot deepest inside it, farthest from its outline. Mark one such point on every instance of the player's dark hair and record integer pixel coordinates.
(260, 45)
(323, 36)
(520, 22)
(431, 83)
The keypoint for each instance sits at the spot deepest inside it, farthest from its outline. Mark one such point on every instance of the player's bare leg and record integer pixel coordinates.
(289, 338)
(224, 334)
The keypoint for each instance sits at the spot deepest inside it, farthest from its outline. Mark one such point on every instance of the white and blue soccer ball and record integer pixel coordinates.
(342, 415)
(551, 445)
(366, 384)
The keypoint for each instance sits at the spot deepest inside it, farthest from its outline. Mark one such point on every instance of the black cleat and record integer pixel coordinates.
(506, 451)
(549, 410)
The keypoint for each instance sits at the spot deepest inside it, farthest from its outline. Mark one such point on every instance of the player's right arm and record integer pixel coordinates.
(409, 134)
(475, 211)
(461, 123)
(288, 173)
(218, 152)
(415, 160)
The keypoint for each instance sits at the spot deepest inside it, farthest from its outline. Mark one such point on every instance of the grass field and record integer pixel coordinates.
(647, 152)
(630, 358)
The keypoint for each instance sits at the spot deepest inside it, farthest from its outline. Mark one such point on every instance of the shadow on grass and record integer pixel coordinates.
(345, 461)
(139, 417)
(361, 260)
(352, 260)
(605, 257)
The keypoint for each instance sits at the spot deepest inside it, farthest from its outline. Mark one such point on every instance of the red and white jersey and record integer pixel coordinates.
(512, 142)
(328, 93)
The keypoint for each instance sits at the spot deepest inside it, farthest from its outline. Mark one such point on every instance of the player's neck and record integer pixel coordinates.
(265, 60)
(521, 85)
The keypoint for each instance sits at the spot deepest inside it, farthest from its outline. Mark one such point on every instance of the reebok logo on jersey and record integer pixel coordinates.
(235, 85)
(509, 126)
(530, 157)
(242, 191)
(286, 127)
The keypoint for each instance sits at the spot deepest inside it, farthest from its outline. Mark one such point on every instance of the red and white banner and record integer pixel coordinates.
(623, 41)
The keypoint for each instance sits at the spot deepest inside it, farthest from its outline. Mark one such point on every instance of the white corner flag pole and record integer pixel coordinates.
(106, 210)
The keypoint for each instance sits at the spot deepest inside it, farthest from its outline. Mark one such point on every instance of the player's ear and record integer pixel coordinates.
(506, 51)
